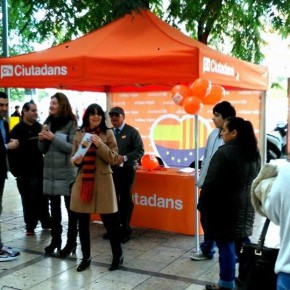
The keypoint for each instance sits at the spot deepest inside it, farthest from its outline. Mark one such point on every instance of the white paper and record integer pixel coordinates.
(84, 145)
(186, 170)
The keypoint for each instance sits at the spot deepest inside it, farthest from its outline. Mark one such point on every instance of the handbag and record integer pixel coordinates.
(256, 264)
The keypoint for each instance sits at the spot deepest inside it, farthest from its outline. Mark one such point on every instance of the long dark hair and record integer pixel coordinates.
(245, 136)
(95, 109)
(65, 113)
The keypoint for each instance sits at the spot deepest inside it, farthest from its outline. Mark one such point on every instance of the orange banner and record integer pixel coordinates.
(167, 131)
(164, 200)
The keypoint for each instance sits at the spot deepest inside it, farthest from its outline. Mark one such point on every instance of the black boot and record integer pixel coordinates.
(85, 263)
(67, 250)
(54, 244)
(116, 263)
(72, 232)
(117, 252)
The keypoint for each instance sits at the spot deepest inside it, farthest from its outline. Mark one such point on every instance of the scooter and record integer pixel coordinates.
(276, 142)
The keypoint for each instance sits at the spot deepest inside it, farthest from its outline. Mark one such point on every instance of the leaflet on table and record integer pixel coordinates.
(84, 145)
(186, 170)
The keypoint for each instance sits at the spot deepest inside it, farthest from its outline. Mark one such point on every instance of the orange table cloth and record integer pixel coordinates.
(164, 200)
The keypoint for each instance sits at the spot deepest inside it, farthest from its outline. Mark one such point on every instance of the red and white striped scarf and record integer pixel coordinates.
(89, 168)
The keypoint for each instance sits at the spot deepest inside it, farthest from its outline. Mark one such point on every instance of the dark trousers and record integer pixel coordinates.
(111, 223)
(34, 203)
(56, 218)
(124, 178)
(227, 263)
(208, 247)
(2, 184)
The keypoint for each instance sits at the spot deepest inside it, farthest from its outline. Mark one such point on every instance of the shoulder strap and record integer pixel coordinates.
(263, 235)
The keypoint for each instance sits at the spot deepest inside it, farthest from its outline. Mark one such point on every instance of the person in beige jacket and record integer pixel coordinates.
(271, 198)
(93, 190)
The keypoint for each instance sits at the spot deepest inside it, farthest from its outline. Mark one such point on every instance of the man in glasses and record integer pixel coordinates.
(26, 164)
(130, 149)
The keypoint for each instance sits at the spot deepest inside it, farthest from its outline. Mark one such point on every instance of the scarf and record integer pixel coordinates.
(89, 168)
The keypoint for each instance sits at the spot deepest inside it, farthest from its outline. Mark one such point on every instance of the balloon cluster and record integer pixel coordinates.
(149, 161)
(200, 92)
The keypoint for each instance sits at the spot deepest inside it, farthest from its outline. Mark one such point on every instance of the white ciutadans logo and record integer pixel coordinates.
(214, 66)
(6, 71)
(32, 70)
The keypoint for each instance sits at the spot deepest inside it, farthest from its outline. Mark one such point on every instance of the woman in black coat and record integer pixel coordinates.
(225, 202)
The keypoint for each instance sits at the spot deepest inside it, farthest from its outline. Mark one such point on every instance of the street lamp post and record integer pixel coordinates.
(5, 37)
(5, 27)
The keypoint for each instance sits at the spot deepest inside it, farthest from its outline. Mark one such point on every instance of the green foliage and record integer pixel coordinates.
(235, 23)
(42, 94)
(218, 23)
(17, 94)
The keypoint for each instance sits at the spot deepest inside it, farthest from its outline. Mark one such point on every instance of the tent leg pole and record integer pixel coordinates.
(196, 192)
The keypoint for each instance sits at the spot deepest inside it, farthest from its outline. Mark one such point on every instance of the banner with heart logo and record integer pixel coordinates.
(173, 139)
(168, 132)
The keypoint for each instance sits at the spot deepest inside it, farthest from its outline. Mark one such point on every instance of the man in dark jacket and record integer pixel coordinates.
(6, 253)
(130, 149)
(16, 112)
(26, 164)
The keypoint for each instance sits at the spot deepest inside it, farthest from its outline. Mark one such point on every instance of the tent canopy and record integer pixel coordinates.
(138, 52)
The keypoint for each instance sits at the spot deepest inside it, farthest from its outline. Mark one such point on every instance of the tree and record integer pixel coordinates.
(232, 22)
(218, 23)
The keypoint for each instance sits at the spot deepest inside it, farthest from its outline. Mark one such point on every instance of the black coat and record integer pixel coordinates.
(3, 152)
(225, 202)
(26, 160)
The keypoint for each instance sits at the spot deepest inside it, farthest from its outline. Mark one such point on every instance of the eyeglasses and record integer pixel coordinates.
(114, 115)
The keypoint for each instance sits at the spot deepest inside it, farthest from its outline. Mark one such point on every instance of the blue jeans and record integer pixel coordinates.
(227, 263)
(208, 247)
(283, 281)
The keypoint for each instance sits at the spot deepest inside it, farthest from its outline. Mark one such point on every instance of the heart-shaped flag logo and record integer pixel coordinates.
(173, 139)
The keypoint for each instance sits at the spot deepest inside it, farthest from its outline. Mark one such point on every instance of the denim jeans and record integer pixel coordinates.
(208, 247)
(227, 263)
(283, 281)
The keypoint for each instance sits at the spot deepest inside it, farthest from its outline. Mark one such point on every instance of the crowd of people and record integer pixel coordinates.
(47, 165)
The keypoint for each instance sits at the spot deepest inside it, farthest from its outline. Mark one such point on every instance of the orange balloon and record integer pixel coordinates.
(215, 96)
(200, 88)
(192, 105)
(179, 93)
(149, 161)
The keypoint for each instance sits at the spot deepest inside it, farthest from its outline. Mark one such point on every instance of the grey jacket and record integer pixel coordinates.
(58, 172)
(214, 141)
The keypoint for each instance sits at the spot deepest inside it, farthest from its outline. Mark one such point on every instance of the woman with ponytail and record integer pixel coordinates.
(225, 199)
(93, 190)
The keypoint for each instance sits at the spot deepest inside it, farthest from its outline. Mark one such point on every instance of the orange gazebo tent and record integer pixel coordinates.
(138, 52)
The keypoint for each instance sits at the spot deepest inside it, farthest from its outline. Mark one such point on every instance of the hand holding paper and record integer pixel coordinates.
(83, 148)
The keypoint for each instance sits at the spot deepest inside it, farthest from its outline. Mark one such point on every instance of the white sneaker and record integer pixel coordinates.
(7, 254)
(199, 257)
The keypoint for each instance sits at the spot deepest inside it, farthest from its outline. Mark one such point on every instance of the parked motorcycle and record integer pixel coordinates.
(276, 142)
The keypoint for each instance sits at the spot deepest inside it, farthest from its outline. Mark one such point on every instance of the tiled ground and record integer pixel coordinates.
(153, 259)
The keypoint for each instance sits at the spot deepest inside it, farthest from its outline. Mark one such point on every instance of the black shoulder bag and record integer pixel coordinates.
(256, 264)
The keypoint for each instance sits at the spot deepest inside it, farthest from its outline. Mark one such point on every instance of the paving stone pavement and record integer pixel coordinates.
(153, 259)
